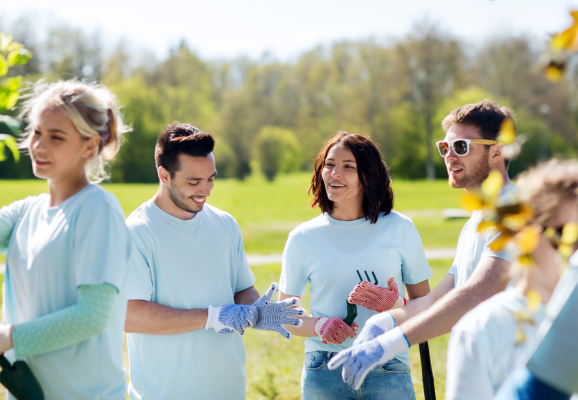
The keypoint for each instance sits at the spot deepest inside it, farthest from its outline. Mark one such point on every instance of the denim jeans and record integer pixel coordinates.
(521, 384)
(387, 382)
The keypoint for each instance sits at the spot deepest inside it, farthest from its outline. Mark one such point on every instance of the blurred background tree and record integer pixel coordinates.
(396, 90)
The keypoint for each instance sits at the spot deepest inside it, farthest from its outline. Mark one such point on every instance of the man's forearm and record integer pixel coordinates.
(247, 296)
(490, 277)
(155, 319)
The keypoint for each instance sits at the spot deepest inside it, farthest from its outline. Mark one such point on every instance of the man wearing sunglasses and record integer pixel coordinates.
(471, 152)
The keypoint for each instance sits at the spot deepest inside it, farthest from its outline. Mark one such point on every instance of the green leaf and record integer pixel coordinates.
(3, 66)
(12, 100)
(19, 57)
(10, 142)
(13, 84)
(12, 123)
(5, 41)
(2, 155)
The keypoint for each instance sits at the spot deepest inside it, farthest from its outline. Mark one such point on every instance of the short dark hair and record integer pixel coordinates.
(371, 170)
(485, 115)
(177, 138)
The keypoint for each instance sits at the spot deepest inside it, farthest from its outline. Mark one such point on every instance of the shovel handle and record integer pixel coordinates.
(4, 363)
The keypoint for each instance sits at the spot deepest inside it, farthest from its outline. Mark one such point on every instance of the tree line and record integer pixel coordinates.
(273, 116)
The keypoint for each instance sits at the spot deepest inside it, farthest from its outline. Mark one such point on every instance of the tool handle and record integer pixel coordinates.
(351, 313)
(429, 390)
(4, 363)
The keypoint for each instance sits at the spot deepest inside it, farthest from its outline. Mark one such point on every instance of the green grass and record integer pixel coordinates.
(274, 364)
(267, 212)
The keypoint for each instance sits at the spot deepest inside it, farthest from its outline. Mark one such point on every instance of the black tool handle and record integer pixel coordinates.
(351, 313)
(429, 389)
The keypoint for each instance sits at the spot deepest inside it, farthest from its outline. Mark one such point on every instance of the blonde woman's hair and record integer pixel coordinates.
(546, 185)
(94, 112)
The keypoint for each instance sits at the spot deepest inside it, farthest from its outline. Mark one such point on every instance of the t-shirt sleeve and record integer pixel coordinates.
(140, 281)
(453, 269)
(5, 234)
(294, 278)
(415, 268)
(12, 213)
(467, 373)
(245, 277)
(101, 244)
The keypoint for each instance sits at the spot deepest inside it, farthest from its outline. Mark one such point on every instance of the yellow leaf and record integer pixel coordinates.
(500, 242)
(534, 300)
(569, 233)
(472, 201)
(566, 250)
(492, 185)
(486, 225)
(528, 239)
(553, 73)
(526, 261)
(520, 337)
(507, 134)
(564, 40)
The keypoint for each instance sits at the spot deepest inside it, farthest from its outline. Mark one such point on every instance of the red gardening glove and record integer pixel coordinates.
(333, 330)
(376, 298)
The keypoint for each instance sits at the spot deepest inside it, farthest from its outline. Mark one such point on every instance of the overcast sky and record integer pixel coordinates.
(227, 28)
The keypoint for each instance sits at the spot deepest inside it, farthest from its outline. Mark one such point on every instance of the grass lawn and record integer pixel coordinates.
(267, 212)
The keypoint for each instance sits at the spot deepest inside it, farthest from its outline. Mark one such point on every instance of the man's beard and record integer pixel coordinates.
(475, 178)
(180, 200)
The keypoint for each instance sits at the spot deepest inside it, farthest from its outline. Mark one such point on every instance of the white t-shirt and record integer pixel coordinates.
(188, 264)
(474, 246)
(327, 253)
(482, 350)
(52, 251)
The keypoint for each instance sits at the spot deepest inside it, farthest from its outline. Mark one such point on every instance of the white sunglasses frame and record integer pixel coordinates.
(450, 144)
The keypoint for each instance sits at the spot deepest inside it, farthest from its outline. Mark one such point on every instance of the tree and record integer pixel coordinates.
(276, 150)
(431, 66)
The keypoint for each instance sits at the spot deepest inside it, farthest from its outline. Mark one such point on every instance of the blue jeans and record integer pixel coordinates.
(387, 382)
(521, 384)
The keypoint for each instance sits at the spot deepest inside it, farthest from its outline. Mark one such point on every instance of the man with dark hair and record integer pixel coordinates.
(471, 152)
(189, 272)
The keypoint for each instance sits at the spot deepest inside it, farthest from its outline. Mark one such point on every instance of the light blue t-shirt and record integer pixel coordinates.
(474, 246)
(189, 264)
(327, 253)
(52, 251)
(482, 350)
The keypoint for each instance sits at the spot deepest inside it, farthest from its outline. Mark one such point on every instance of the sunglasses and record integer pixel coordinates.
(461, 146)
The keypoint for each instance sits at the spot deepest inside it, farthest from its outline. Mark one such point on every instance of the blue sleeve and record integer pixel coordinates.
(245, 277)
(86, 318)
(294, 278)
(415, 267)
(101, 247)
(140, 284)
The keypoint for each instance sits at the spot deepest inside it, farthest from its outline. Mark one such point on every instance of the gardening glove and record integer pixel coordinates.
(271, 315)
(374, 327)
(376, 298)
(334, 330)
(359, 359)
(231, 318)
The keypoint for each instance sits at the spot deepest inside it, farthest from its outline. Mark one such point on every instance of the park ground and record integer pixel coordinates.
(266, 213)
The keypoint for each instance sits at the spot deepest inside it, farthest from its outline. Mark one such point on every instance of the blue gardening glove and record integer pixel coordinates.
(231, 318)
(374, 327)
(359, 359)
(271, 315)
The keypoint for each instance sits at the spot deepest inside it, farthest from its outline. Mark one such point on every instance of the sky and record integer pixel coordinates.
(218, 29)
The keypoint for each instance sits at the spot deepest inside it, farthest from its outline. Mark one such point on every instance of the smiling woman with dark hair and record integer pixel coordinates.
(357, 236)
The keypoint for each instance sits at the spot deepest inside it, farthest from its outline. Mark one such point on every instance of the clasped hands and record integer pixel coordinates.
(263, 314)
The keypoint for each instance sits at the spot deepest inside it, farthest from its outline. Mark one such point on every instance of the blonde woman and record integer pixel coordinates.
(67, 251)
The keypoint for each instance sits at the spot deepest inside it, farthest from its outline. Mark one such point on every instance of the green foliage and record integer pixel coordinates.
(11, 54)
(276, 151)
